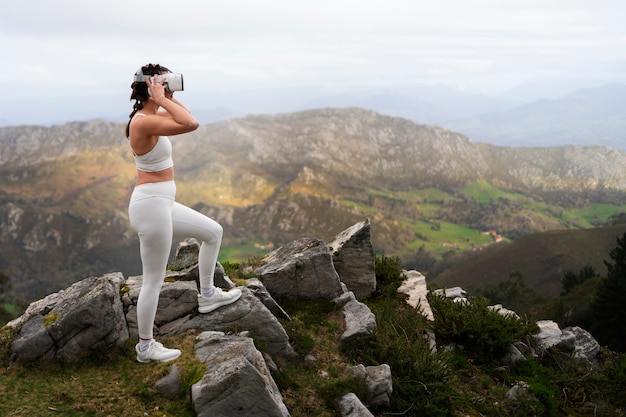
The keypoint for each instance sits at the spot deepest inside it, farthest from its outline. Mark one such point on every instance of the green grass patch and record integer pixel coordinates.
(485, 193)
(441, 237)
(241, 251)
(12, 309)
(110, 384)
(593, 215)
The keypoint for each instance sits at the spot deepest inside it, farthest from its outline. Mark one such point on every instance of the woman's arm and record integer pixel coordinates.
(173, 119)
(164, 112)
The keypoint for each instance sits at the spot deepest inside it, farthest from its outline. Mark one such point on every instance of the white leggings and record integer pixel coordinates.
(158, 219)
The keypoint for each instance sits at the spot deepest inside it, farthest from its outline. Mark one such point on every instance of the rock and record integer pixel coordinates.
(567, 342)
(344, 298)
(360, 321)
(513, 357)
(549, 334)
(220, 279)
(170, 385)
(178, 314)
(70, 325)
(302, 269)
(265, 297)
(573, 340)
(414, 285)
(585, 346)
(351, 406)
(177, 299)
(378, 381)
(455, 293)
(185, 266)
(237, 381)
(504, 311)
(518, 391)
(354, 260)
(186, 254)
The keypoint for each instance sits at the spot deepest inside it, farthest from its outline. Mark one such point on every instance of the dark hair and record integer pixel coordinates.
(140, 90)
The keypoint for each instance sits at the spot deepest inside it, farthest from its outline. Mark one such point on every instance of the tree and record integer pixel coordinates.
(608, 308)
(571, 279)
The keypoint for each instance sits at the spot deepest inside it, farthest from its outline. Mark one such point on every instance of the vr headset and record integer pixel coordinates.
(173, 82)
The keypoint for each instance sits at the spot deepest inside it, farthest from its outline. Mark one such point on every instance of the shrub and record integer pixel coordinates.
(388, 275)
(484, 333)
(420, 376)
(571, 279)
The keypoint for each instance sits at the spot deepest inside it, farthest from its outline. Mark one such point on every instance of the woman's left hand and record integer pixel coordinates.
(156, 88)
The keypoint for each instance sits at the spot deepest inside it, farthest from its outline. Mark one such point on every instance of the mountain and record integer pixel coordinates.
(583, 117)
(429, 192)
(541, 258)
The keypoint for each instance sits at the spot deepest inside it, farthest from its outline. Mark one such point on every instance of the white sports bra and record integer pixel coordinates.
(157, 158)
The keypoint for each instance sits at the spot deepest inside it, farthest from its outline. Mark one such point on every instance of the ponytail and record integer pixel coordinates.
(136, 107)
(140, 90)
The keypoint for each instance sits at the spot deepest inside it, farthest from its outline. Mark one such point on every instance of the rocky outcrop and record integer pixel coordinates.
(414, 286)
(177, 314)
(67, 326)
(237, 382)
(353, 257)
(573, 341)
(302, 269)
(100, 312)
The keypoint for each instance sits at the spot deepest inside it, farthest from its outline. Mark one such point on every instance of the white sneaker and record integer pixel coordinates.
(218, 299)
(156, 352)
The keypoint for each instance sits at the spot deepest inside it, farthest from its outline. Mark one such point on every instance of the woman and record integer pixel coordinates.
(155, 214)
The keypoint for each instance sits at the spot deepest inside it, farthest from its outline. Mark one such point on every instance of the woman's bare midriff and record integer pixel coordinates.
(159, 176)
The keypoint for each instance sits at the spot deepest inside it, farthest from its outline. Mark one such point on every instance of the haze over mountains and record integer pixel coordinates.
(589, 116)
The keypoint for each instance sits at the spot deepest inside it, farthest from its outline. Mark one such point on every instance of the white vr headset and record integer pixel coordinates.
(173, 82)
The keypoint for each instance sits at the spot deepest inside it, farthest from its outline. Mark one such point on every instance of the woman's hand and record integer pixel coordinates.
(156, 88)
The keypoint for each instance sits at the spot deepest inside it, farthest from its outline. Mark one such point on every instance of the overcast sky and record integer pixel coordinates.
(66, 58)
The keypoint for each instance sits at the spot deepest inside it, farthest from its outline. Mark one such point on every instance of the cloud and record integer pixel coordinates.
(92, 48)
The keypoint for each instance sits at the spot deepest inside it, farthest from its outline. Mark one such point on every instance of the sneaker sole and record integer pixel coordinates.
(155, 360)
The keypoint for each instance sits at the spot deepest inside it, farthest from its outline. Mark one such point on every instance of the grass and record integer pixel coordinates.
(239, 251)
(109, 384)
(12, 309)
(311, 388)
(485, 193)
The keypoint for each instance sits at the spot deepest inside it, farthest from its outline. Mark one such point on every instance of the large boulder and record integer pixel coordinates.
(69, 325)
(178, 313)
(354, 260)
(302, 269)
(237, 381)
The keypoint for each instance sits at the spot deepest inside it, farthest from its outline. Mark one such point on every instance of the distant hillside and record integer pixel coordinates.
(542, 258)
(589, 116)
(429, 192)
